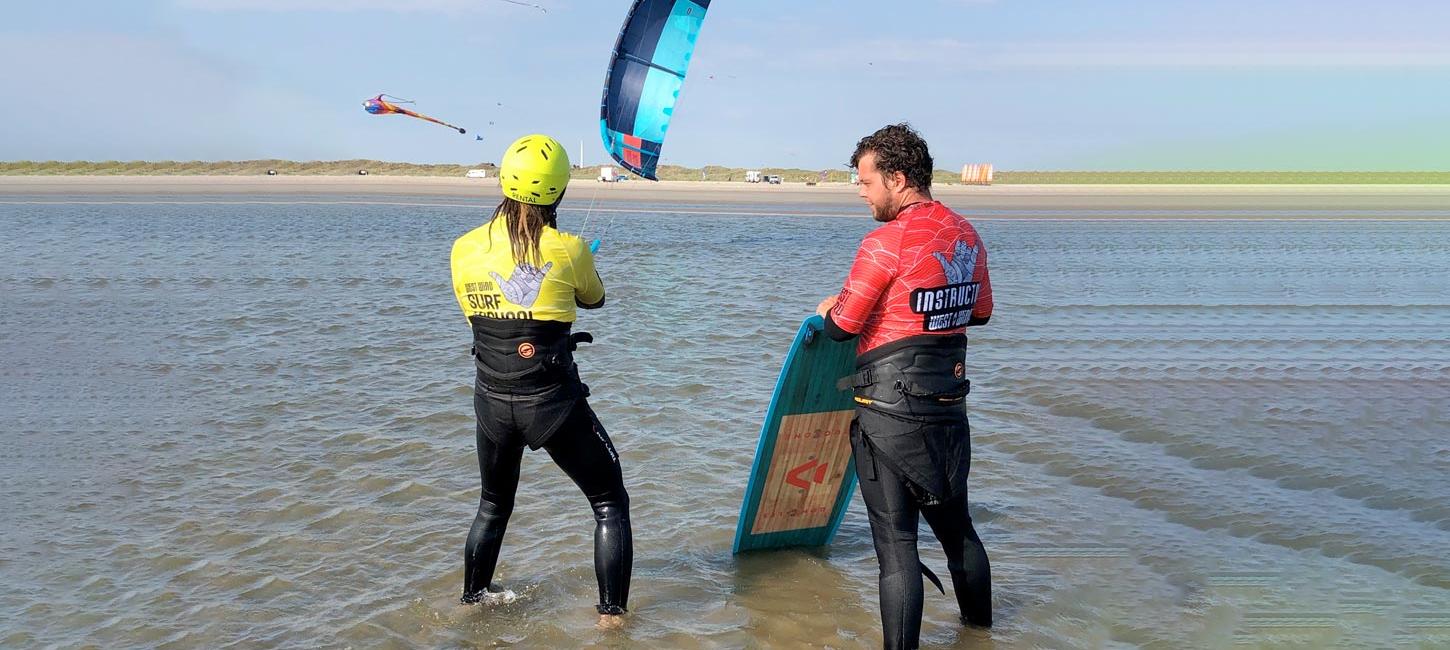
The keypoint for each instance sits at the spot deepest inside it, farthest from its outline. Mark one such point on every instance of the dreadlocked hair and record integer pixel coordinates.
(525, 222)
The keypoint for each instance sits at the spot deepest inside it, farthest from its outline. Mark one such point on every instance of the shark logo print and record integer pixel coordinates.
(949, 307)
(522, 286)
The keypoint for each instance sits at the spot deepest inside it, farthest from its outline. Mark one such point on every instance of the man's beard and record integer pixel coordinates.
(883, 214)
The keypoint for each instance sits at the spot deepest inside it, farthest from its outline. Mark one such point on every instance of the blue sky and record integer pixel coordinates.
(1024, 84)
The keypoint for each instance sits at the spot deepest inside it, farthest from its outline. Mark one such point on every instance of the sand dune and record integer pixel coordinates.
(1028, 198)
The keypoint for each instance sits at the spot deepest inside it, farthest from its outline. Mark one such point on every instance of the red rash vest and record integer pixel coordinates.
(924, 273)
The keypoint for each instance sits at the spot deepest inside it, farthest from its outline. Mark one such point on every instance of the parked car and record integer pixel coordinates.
(362, 172)
(476, 173)
(772, 179)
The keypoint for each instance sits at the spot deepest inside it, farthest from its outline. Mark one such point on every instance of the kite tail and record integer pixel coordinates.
(527, 4)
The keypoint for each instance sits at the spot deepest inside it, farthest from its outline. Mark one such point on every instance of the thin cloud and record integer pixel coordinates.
(1234, 54)
(399, 6)
(957, 54)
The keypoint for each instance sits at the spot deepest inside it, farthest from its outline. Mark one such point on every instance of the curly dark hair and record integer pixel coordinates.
(898, 148)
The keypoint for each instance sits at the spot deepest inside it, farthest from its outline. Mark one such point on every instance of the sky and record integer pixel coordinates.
(1316, 85)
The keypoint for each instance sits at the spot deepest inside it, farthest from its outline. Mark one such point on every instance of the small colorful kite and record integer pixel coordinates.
(380, 106)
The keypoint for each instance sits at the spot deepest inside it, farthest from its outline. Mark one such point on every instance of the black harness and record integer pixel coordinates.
(524, 356)
(918, 377)
(527, 383)
(910, 413)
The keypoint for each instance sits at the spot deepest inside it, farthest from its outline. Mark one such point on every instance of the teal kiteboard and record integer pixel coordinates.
(803, 478)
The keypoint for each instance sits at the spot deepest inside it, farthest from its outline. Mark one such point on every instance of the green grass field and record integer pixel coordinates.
(708, 173)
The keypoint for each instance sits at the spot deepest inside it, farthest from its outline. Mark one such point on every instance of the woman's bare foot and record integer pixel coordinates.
(609, 622)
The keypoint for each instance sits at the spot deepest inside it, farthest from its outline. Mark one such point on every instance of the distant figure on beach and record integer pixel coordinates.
(918, 282)
(519, 280)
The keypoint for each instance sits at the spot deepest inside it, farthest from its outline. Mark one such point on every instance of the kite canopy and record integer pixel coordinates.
(646, 72)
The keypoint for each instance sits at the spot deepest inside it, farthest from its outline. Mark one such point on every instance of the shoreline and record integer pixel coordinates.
(1346, 199)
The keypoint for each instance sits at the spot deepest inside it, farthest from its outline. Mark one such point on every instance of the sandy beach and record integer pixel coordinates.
(1137, 198)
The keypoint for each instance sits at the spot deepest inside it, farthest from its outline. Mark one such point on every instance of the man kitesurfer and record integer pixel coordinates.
(918, 281)
(519, 280)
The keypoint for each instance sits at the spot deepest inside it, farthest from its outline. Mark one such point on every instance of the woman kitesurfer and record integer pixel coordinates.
(519, 279)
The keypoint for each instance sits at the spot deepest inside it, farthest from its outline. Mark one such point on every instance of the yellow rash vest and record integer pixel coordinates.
(489, 282)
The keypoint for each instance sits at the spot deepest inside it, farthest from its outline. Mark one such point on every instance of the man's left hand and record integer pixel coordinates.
(825, 306)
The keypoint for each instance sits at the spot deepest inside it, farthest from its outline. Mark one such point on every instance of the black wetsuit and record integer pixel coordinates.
(912, 448)
(538, 401)
(893, 504)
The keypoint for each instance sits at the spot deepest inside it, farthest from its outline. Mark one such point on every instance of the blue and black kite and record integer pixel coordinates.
(645, 76)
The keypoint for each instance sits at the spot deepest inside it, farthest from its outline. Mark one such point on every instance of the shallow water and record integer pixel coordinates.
(249, 424)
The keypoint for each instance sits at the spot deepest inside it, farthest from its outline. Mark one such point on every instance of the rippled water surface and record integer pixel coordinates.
(250, 424)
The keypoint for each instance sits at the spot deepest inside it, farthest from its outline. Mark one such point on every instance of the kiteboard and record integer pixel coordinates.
(802, 479)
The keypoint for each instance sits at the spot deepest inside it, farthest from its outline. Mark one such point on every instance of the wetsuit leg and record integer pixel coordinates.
(498, 465)
(966, 559)
(582, 449)
(894, 515)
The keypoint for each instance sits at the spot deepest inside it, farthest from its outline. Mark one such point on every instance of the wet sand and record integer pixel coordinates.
(1320, 201)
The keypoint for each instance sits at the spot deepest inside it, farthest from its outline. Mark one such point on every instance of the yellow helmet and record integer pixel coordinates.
(535, 169)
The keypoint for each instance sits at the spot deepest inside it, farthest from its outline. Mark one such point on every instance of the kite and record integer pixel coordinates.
(380, 106)
(527, 4)
(646, 72)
